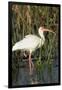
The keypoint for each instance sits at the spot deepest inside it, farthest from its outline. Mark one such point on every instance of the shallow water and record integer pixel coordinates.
(38, 77)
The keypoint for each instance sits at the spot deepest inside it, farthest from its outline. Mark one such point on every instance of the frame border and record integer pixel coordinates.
(10, 44)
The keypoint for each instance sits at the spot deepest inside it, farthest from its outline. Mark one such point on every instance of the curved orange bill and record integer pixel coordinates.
(45, 30)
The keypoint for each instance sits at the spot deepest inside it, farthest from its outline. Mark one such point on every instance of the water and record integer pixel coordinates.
(38, 77)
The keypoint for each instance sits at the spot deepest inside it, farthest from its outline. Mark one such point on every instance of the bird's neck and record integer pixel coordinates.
(42, 38)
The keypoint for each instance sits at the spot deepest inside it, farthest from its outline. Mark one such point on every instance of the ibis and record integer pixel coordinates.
(30, 43)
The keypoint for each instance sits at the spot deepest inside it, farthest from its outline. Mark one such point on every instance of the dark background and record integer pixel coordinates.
(26, 19)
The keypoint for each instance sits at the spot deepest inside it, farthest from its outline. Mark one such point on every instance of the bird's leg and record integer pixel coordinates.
(30, 62)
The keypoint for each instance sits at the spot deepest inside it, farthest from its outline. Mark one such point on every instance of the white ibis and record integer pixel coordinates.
(31, 43)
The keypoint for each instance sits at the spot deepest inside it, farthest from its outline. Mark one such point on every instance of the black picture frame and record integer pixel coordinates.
(10, 44)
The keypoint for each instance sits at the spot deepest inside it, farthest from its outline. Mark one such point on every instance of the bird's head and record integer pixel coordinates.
(42, 29)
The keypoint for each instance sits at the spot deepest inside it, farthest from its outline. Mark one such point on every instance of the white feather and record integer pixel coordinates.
(30, 42)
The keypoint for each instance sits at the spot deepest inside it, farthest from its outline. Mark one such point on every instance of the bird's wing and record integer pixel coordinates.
(29, 42)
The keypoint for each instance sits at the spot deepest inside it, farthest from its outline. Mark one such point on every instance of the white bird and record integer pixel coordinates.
(31, 43)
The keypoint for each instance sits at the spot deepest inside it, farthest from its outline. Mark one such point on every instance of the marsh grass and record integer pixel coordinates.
(27, 19)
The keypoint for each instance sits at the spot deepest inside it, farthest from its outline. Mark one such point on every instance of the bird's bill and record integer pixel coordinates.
(47, 30)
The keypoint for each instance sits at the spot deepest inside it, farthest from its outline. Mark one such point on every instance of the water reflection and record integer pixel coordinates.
(39, 76)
